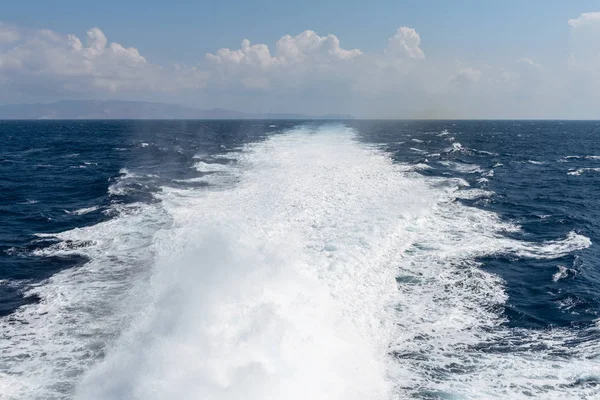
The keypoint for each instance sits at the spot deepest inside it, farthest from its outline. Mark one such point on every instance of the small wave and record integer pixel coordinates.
(562, 273)
(568, 303)
(126, 174)
(83, 211)
(464, 168)
(456, 147)
(66, 247)
(583, 170)
(552, 249)
(489, 153)
(202, 166)
(225, 156)
(417, 140)
(416, 167)
(29, 201)
(567, 158)
(421, 167)
(473, 194)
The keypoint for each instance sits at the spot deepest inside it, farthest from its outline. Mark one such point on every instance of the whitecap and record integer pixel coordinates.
(83, 211)
(583, 170)
(346, 277)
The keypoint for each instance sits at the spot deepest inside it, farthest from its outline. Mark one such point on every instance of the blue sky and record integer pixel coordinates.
(180, 31)
(474, 37)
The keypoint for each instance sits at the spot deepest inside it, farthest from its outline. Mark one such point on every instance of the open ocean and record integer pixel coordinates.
(299, 260)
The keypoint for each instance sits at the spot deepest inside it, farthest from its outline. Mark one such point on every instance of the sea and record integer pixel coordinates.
(299, 260)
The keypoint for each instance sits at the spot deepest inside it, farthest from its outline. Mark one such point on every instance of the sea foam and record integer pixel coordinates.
(322, 270)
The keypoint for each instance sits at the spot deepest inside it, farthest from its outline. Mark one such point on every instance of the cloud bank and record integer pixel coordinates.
(307, 73)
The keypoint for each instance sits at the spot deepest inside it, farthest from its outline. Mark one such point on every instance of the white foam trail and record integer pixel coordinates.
(297, 280)
(45, 347)
(277, 288)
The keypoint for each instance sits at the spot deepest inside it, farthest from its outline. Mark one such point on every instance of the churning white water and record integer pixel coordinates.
(319, 269)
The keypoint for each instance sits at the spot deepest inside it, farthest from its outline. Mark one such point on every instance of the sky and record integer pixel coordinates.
(376, 59)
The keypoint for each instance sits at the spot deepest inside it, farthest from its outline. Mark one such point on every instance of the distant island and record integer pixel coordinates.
(114, 109)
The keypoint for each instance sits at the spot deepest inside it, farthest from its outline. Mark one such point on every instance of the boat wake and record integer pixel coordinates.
(321, 270)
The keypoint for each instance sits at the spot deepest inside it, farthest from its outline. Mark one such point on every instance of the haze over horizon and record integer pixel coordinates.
(378, 60)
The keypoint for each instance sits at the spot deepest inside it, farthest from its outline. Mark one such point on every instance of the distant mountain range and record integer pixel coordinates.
(112, 109)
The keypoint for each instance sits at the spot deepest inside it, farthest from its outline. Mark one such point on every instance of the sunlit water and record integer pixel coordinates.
(299, 260)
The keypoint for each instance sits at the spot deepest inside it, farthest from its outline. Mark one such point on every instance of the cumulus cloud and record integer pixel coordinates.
(305, 47)
(405, 43)
(312, 72)
(49, 63)
(297, 61)
(585, 44)
(585, 19)
(310, 45)
(96, 40)
(257, 54)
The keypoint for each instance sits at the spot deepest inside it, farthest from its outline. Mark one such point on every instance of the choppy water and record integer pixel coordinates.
(295, 260)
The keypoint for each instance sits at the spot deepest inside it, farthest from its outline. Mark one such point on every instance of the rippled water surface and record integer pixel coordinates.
(299, 259)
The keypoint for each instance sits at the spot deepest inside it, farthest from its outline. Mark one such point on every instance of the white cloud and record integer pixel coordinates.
(305, 47)
(96, 40)
(8, 34)
(298, 61)
(257, 54)
(584, 58)
(310, 45)
(467, 75)
(49, 63)
(405, 43)
(585, 19)
(306, 73)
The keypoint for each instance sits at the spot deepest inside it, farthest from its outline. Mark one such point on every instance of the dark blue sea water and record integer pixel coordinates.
(299, 259)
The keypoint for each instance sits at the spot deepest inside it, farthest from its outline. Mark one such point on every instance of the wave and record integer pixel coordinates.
(323, 271)
(462, 167)
(568, 158)
(458, 147)
(583, 170)
(83, 211)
